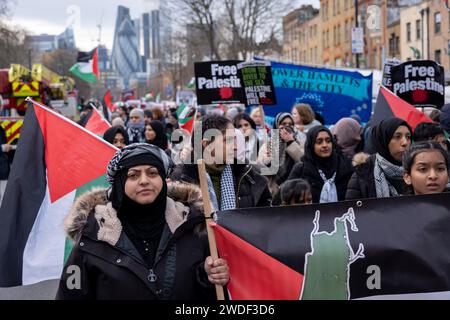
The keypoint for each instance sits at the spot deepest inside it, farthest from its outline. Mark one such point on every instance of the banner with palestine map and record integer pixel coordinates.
(396, 248)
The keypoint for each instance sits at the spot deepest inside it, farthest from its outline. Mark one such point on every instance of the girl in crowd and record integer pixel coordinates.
(426, 168)
(381, 174)
(117, 136)
(136, 126)
(155, 135)
(285, 149)
(304, 118)
(294, 192)
(247, 126)
(324, 167)
(142, 239)
(347, 132)
(262, 129)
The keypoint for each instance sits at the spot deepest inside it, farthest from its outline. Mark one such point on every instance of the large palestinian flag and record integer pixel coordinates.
(86, 67)
(56, 161)
(389, 105)
(396, 248)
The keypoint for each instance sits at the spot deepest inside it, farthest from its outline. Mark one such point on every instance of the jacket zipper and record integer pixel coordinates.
(239, 186)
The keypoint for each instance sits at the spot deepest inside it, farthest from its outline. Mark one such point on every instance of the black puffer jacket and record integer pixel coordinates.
(308, 171)
(362, 183)
(250, 186)
(111, 267)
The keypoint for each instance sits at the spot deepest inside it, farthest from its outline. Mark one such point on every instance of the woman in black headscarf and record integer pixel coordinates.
(381, 174)
(141, 239)
(117, 136)
(155, 134)
(325, 168)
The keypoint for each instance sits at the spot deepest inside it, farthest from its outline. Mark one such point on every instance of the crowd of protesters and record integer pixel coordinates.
(151, 215)
(348, 160)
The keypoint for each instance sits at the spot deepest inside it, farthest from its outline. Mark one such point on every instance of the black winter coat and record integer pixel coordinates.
(362, 182)
(309, 172)
(251, 187)
(112, 268)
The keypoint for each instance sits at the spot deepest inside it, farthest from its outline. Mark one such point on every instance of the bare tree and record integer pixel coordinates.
(12, 39)
(202, 15)
(254, 25)
(234, 29)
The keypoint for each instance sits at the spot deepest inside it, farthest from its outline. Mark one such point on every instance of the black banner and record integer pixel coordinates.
(218, 83)
(395, 248)
(256, 77)
(420, 83)
(387, 69)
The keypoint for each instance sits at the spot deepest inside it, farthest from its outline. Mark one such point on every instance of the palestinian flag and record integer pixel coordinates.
(395, 248)
(107, 101)
(416, 52)
(56, 161)
(389, 105)
(95, 122)
(86, 67)
(186, 117)
(191, 84)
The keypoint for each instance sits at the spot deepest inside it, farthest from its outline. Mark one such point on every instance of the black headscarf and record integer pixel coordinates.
(110, 134)
(327, 165)
(382, 134)
(160, 138)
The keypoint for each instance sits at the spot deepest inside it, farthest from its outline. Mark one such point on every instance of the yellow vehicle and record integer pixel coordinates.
(41, 84)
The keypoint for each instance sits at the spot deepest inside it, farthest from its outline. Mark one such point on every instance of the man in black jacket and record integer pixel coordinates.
(230, 185)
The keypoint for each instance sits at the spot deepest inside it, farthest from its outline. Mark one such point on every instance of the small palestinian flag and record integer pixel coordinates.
(394, 248)
(186, 117)
(389, 105)
(86, 67)
(107, 101)
(56, 161)
(191, 84)
(416, 52)
(96, 123)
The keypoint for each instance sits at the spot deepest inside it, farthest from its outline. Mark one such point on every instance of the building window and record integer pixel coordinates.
(437, 22)
(339, 34)
(418, 29)
(437, 56)
(408, 32)
(397, 45)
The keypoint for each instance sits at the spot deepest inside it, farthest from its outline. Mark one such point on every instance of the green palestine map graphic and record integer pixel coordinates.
(327, 266)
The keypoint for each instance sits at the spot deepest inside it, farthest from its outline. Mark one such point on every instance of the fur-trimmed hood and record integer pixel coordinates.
(360, 158)
(110, 227)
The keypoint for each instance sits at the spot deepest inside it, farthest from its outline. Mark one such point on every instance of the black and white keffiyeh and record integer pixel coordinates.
(382, 169)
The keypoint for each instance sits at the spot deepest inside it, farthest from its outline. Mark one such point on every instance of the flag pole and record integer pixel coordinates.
(208, 212)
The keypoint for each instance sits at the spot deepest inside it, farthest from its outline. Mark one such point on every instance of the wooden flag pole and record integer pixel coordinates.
(208, 212)
(261, 112)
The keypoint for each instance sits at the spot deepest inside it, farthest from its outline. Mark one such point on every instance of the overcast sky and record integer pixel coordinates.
(52, 17)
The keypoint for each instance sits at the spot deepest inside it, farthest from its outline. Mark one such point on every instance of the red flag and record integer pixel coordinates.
(389, 105)
(69, 152)
(96, 123)
(268, 278)
(108, 101)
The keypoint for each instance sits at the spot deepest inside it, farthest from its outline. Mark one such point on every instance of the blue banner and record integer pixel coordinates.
(334, 94)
